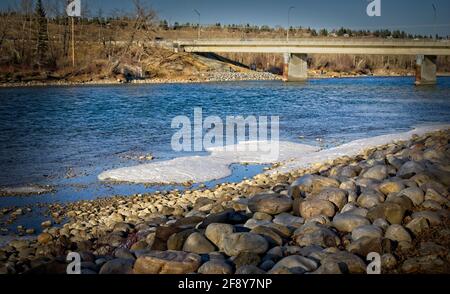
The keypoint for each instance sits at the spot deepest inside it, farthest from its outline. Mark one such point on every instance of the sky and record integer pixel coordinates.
(412, 16)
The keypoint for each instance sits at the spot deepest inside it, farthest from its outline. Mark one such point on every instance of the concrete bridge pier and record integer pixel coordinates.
(295, 67)
(426, 70)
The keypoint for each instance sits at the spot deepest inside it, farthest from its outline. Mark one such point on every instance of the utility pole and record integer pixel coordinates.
(73, 10)
(199, 21)
(73, 41)
(289, 22)
(435, 16)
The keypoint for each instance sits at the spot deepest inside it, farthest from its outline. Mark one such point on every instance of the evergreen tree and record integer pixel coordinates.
(324, 32)
(42, 33)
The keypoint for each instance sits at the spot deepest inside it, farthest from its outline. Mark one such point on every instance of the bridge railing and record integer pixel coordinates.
(349, 41)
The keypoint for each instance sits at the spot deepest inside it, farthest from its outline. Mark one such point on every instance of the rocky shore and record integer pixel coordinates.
(214, 76)
(324, 219)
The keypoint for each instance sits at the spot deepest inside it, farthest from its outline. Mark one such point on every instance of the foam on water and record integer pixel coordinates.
(216, 165)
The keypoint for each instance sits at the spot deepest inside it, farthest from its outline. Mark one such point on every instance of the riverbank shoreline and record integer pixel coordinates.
(267, 77)
(254, 76)
(386, 199)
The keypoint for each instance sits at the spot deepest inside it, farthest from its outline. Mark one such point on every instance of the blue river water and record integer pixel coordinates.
(47, 132)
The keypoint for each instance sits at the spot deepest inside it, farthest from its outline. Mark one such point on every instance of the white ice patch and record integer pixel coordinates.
(216, 165)
(354, 148)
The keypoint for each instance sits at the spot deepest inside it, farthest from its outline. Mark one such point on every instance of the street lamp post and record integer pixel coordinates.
(199, 21)
(289, 22)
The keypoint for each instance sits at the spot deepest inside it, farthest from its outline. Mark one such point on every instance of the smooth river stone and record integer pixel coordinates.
(270, 203)
(346, 222)
(244, 242)
(167, 262)
(316, 207)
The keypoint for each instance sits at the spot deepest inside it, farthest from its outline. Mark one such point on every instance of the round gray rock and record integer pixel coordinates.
(215, 267)
(236, 243)
(397, 233)
(270, 203)
(346, 222)
(196, 243)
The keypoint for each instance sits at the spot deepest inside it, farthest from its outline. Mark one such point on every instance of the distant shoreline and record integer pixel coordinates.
(185, 81)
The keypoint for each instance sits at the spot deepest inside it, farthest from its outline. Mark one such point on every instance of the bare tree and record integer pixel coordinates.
(4, 27)
(25, 13)
(143, 24)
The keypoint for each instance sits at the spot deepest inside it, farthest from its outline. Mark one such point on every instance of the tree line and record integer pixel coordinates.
(341, 32)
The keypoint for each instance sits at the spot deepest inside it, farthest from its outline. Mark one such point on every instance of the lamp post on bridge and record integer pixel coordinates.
(199, 21)
(289, 22)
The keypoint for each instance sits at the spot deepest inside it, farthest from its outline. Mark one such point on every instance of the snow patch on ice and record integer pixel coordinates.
(217, 164)
(214, 166)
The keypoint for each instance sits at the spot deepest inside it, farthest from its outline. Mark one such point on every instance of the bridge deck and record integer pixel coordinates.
(308, 46)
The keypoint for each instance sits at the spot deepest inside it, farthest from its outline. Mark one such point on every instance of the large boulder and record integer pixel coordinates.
(433, 195)
(228, 216)
(177, 240)
(431, 216)
(346, 222)
(197, 243)
(162, 235)
(377, 172)
(236, 243)
(316, 207)
(311, 184)
(167, 262)
(397, 233)
(418, 225)
(215, 267)
(335, 195)
(365, 245)
(389, 187)
(367, 231)
(217, 232)
(246, 258)
(409, 169)
(269, 234)
(430, 264)
(414, 193)
(370, 198)
(390, 211)
(296, 261)
(249, 270)
(288, 220)
(343, 261)
(119, 266)
(270, 203)
(315, 234)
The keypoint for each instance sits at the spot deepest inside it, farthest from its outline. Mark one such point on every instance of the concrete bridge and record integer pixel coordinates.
(295, 52)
